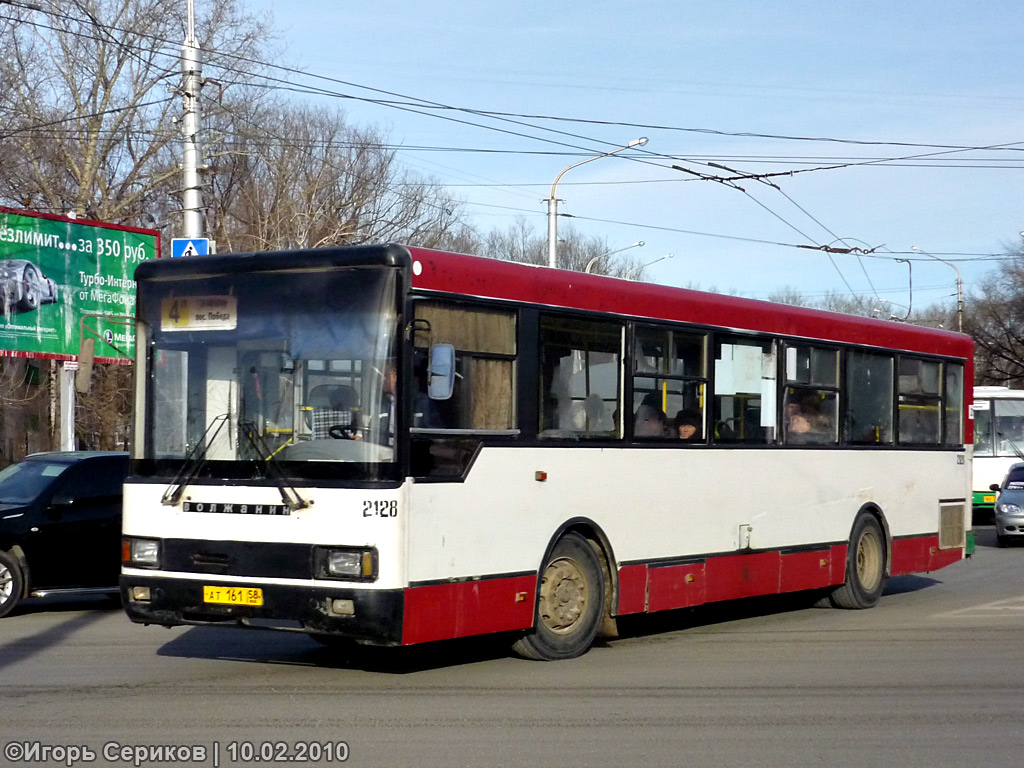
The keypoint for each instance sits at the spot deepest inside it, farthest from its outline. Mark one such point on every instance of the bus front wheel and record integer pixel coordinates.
(570, 603)
(865, 566)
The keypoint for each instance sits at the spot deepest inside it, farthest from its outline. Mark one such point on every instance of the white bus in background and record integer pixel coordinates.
(998, 441)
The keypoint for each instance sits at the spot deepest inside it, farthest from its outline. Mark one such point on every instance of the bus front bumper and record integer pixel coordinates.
(372, 616)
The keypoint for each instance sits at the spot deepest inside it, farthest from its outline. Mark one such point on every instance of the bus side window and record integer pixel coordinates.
(485, 352)
(669, 377)
(868, 391)
(744, 391)
(919, 401)
(580, 367)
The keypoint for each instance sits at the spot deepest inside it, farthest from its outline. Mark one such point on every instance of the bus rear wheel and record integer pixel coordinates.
(865, 566)
(570, 603)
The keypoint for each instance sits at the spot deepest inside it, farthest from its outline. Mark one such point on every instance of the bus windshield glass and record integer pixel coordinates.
(292, 367)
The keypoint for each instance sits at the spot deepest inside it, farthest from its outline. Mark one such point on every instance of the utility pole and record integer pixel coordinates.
(192, 84)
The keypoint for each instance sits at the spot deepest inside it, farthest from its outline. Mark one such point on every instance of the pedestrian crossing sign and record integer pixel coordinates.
(195, 246)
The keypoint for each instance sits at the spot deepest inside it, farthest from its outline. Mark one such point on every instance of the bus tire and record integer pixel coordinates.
(12, 583)
(865, 566)
(570, 603)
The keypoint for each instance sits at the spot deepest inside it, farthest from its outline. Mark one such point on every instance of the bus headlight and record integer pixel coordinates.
(141, 553)
(347, 563)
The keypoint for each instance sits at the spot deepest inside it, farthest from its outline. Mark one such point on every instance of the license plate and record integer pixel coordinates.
(233, 595)
(989, 499)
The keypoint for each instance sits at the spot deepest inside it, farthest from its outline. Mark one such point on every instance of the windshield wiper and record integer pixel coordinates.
(1013, 445)
(289, 495)
(194, 461)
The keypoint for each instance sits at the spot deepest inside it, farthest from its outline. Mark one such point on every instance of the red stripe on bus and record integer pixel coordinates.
(464, 608)
(632, 589)
(920, 555)
(806, 570)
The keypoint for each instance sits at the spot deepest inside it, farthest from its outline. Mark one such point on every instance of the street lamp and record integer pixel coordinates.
(553, 200)
(959, 287)
(636, 272)
(594, 260)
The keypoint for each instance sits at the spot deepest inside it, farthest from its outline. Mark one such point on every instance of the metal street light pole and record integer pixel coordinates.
(959, 287)
(594, 260)
(192, 71)
(552, 201)
(637, 272)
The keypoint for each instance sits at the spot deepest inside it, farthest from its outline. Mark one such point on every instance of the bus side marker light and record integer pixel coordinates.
(520, 597)
(343, 607)
(540, 476)
(823, 562)
(690, 578)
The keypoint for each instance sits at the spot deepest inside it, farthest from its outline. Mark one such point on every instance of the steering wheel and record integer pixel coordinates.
(342, 432)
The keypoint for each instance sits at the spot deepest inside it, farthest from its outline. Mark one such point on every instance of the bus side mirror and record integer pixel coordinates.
(441, 372)
(83, 376)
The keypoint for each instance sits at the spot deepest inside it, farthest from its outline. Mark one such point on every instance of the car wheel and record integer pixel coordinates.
(865, 566)
(570, 603)
(30, 297)
(12, 583)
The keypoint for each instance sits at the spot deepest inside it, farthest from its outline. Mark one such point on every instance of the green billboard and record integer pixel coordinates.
(55, 271)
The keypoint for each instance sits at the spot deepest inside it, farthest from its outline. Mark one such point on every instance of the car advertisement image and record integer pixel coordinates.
(54, 271)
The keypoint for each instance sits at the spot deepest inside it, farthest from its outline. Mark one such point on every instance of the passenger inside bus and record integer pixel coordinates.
(806, 424)
(650, 419)
(687, 425)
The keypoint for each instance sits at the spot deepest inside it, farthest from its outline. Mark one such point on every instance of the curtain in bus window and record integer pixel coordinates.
(491, 397)
(485, 346)
(869, 391)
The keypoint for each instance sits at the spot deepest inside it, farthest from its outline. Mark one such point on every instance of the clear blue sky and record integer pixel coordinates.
(933, 73)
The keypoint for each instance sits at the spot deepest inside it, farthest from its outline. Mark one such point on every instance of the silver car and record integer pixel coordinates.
(23, 287)
(1010, 505)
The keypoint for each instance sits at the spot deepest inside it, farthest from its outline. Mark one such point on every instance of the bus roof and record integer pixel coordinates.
(493, 278)
(506, 280)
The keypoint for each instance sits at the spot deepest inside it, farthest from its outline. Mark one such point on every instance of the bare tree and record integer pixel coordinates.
(994, 316)
(299, 177)
(86, 102)
(520, 242)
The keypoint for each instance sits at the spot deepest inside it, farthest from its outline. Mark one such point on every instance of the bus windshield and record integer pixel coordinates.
(293, 367)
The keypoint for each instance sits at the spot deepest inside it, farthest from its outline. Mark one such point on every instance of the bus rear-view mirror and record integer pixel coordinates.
(441, 370)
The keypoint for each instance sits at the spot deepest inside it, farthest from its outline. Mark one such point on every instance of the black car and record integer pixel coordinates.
(60, 524)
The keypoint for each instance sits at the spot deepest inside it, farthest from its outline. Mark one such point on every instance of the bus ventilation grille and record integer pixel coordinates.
(951, 524)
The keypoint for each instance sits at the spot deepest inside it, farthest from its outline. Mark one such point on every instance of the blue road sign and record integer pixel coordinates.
(196, 246)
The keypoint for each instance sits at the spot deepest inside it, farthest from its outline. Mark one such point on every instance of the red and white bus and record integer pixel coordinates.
(398, 445)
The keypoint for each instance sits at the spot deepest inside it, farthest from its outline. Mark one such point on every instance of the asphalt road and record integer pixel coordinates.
(934, 676)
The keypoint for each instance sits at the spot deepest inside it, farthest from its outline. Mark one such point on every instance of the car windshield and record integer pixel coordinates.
(1014, 480)
(23, 482)
(293, 364)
